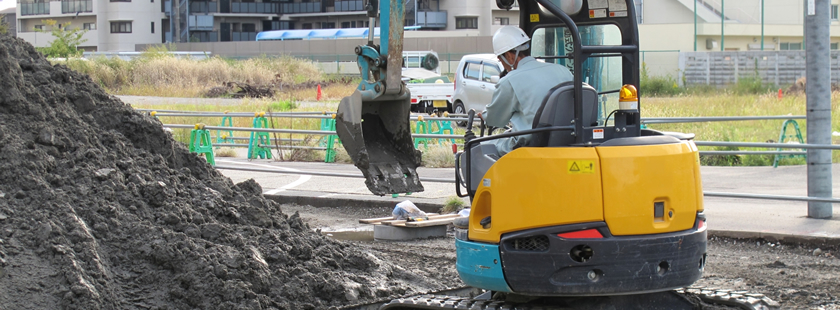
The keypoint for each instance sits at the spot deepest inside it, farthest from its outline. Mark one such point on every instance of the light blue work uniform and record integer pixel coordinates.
(519, 95)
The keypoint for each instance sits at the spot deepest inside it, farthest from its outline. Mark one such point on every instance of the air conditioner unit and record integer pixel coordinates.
(711, 44)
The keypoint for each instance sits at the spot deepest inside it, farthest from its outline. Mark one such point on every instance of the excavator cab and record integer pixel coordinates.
(594, 205)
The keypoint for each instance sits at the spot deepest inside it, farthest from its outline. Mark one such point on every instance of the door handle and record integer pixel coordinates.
(483, 86)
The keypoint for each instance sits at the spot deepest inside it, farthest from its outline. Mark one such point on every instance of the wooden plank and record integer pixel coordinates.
(443, 221)
(431, 217)
(380, 219)
(375, 220)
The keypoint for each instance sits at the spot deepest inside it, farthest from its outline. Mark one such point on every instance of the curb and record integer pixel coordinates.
(777, 237)
(374, 203)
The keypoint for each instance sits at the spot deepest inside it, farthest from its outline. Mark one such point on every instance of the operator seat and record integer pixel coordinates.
(557, 109)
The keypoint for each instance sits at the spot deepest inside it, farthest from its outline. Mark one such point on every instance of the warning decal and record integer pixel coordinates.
(580, 166)
(535, 18)
(598, 133)
(599, 13)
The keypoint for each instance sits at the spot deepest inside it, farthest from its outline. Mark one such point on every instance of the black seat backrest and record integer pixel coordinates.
(558, 109)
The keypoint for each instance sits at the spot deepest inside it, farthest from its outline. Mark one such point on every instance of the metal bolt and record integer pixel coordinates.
(617, 129)
(670, 213)
(592, 275)
(623, 129)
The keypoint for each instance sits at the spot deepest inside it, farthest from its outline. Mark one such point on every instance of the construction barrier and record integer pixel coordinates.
(224, 136)
(201, 144)
(783, 135)
(258, 145)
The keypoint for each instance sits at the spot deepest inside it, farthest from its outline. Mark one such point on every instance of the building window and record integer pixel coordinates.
(501, 21)
(153, 27)
(328, 25)
(249, 27)
(466, 22)
(786, 46)
(306, 26)
(120, 0)
(345, 24)
(39, 27)
(834, 46)
(120, 27)
(834, 11)
(89, 26)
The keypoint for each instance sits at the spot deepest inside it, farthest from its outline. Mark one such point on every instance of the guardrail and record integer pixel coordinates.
(455, 117)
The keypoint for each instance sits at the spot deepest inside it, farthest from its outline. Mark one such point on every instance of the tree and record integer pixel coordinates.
(4, 26)
(66, 41)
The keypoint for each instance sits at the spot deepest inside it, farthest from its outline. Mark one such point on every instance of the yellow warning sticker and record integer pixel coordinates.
(580, 166)
(535, 18)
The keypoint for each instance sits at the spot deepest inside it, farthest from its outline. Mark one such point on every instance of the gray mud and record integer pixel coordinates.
(101, 209)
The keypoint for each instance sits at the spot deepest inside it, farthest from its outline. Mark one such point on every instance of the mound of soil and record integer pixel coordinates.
(101, 209)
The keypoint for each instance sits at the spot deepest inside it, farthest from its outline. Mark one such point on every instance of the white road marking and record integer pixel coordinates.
(302, 179)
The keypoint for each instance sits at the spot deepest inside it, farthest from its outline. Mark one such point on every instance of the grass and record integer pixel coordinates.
(453, 204)
(727, 103)
(157, 73)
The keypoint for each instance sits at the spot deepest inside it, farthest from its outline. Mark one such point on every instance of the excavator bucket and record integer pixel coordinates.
(376, 133)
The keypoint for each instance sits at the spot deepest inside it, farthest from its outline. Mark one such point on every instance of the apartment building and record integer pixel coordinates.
(119, 25)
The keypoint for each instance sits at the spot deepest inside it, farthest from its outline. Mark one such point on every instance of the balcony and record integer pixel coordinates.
(202, 7)
(349, 6)
(255, 7)
(302, 7)
(431, 19)
(243, 36)
(38, 8)
(204, 36)
(201, 22)
(76, 6)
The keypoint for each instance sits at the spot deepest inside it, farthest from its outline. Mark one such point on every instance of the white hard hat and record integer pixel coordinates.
(508, 38)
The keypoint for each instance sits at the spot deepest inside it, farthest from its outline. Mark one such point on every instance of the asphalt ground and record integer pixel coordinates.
(729, 217)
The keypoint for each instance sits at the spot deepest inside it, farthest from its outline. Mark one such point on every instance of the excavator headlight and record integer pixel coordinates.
(628, 98)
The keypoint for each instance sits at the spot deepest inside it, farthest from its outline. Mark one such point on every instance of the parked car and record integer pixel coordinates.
(475, 81)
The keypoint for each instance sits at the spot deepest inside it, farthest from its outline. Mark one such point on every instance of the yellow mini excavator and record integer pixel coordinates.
(594, 213)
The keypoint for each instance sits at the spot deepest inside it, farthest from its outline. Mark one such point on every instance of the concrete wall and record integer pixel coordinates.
(780, 68)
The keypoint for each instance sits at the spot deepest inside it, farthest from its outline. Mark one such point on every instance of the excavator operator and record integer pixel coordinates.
(520, 93)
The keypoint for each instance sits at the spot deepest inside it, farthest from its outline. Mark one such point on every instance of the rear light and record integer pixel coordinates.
(701, 225)
(582, 234)
(413, 100)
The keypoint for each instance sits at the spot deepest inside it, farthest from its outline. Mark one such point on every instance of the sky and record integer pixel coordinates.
(5, 4)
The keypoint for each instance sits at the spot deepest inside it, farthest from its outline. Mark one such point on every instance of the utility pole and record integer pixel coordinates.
(175, 15)
(818, 104)
(762, 25)
(695, 25)
(722, 19)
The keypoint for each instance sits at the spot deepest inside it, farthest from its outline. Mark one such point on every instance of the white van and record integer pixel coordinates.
(475, 82)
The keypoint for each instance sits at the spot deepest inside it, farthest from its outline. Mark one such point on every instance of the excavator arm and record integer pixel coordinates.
(373, 123)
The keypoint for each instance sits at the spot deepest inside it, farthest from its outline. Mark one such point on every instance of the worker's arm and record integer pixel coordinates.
(502, 106)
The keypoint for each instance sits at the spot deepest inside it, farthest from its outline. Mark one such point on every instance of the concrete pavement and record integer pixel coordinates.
(730, 217)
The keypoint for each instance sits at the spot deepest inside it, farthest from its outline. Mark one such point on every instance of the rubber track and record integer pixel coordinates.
(730, 298)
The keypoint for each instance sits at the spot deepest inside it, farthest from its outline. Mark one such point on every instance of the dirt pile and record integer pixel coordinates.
(101, 209)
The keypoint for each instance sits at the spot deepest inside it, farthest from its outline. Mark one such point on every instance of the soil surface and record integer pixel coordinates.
(790, 274)
(101, 209)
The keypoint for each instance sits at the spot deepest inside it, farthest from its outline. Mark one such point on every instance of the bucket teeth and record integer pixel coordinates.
(377, 135)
